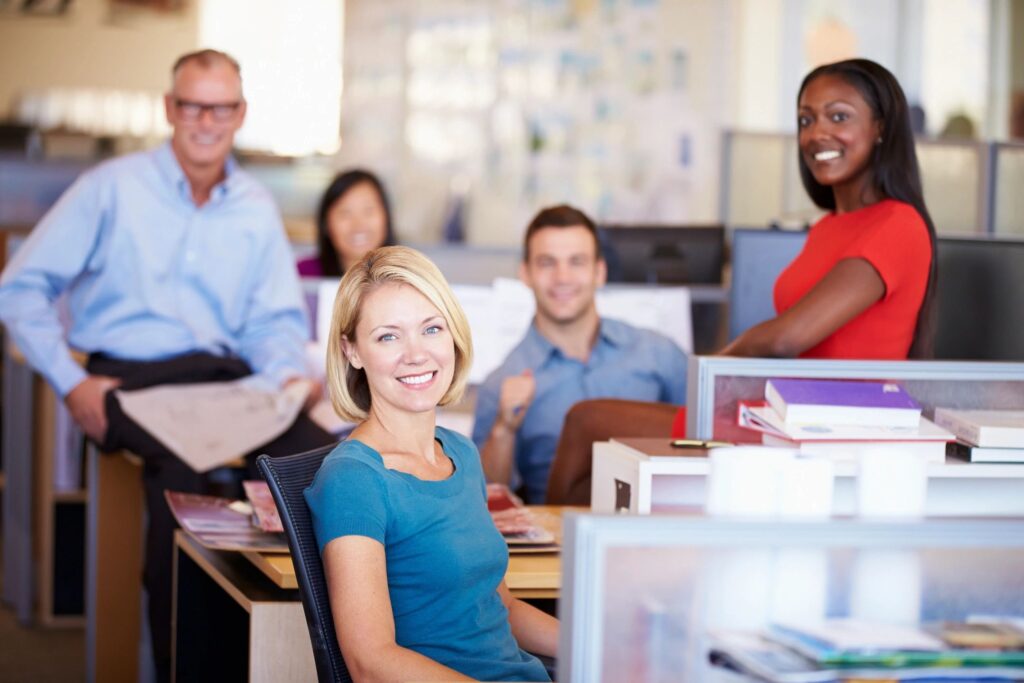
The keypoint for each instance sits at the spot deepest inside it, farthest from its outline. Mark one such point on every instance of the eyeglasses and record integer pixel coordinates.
(193, 111)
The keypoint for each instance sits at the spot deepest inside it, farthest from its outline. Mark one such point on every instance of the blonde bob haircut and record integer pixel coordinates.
(348, 387)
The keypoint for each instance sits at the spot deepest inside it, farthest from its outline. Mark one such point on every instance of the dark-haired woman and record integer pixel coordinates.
(353, 219)
(863, 285)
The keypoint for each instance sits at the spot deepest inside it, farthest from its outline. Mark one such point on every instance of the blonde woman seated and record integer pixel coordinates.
(413, 562)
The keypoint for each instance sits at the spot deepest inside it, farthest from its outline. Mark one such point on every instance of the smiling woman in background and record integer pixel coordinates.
(863, 286)
(415, 567)
(353, 218)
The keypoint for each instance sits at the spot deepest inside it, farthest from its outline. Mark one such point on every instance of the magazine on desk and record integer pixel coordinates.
(517, 523)
(222, 523)
(844, 649)
(225, 524)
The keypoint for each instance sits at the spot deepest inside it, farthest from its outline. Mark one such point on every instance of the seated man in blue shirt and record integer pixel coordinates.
(569, 354)
(177, 269)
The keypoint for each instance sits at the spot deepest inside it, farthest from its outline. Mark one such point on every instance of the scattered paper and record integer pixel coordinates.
(263, 506)
(218, 525)
(210, 424)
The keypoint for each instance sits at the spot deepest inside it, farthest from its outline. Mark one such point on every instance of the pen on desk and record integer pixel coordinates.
(698, 443)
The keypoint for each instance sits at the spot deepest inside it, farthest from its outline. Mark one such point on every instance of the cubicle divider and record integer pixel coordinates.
(646, 598)
(978, 316)
(716, 384)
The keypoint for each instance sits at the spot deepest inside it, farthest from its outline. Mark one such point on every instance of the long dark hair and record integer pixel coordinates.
(894, 169)
(330, 261)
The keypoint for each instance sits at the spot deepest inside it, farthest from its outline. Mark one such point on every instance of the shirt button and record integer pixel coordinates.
(190, 256)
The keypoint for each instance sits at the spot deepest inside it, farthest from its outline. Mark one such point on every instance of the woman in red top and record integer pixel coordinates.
(863, 285)
(862, 288)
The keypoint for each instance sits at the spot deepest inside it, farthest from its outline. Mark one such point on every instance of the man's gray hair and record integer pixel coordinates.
(206, 59)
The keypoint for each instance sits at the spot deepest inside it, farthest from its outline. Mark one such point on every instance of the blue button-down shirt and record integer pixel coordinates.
(149, 275)
(626, 362)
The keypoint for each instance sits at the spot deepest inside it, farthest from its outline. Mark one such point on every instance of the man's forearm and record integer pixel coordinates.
(497, 453)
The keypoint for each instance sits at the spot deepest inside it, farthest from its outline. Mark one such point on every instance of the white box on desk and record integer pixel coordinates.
(627, 478)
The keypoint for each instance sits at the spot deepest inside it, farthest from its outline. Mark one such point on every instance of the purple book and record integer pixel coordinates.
(818, 401)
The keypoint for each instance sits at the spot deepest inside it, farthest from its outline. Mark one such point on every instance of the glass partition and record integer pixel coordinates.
(761, 182)
(645, 597)
(953, 177)
(1009, 179)
(717, 384)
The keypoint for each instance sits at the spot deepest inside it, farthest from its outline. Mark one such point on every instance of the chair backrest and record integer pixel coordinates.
(599, 419)
(287, 478)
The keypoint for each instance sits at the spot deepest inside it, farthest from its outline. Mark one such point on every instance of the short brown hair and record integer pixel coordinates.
(347, 385)
(561, 216)
(206, 58)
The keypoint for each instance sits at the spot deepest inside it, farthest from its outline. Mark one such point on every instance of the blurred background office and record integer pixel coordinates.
(475, 113)
(478, 113)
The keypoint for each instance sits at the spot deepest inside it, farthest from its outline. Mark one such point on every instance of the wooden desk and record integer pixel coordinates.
(230, 623)
(240, 613)
(530, 575)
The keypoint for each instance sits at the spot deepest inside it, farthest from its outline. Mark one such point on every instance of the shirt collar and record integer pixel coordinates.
(171, 169)
(538, 349)
(613, 332)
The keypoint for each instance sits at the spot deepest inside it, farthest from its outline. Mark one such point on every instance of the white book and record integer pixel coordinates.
(930, 451)
(997, 455)
(986, 428)
(765, 419)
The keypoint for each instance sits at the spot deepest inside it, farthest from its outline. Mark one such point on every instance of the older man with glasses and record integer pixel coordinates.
(176, 269)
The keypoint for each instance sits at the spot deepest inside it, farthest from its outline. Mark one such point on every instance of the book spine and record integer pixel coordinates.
(775, 400)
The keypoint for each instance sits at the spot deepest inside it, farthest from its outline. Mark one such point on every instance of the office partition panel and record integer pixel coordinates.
(716, 385)
(645, 598)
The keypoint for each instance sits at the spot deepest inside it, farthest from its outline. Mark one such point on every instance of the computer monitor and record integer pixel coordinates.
(980, 299)
(663, 254)
(758, 257)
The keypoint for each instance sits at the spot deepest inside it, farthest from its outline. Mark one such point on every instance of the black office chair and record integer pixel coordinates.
(287, 478)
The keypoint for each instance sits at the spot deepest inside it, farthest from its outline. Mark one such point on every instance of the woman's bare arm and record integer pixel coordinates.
(534, 630)
(845, 292)
(357, 585)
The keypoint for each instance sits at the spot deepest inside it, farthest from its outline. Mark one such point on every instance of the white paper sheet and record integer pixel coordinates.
(209, 424)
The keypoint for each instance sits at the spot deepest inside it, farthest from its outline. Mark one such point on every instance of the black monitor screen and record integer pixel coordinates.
(666, 255)
(980, 299)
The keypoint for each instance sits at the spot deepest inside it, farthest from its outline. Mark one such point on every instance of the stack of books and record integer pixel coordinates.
(986, 435)
(847, 649)
(839, 419)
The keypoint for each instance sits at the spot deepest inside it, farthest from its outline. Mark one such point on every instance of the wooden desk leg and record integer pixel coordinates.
(114, 567)
(279, 647)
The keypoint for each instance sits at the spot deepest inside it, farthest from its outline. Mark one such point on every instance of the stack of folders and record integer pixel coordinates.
(839, 419)
(986, 435)
(849, 649)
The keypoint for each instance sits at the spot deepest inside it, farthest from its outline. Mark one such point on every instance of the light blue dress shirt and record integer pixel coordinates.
(626, 362)
(149, 275)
